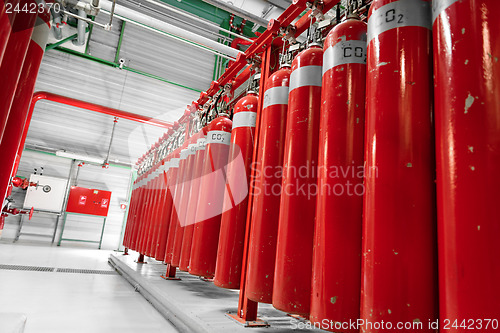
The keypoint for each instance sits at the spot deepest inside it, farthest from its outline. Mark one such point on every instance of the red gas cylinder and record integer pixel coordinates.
(172, 185)
(234, 216)
(146, 216)
(211, 197)
(267, 188)
(185, 182)
(5, 24)
(292, 279)
(339, 208)
(467, 104)
(154, 213)
(131, 214)
(199, 159)
(137, 212)
(132, 205)
(140, 212)
(19, 110)
(165, 213)
(399, 261)
(13, 58)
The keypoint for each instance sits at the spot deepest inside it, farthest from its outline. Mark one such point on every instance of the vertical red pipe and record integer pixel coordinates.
(213, 186)
(292, 279)
(266, 186)
(467, 105)
(339, 212)
(13, 58)
(234, 216)
(399, 261)
(18, 114)
(193, 201)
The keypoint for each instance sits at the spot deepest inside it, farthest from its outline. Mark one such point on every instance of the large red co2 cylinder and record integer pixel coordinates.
(146, 217)
(160, 220)
(172, 185)
(165, 213)
(339, 210)
(13, 58)
(136, 217)
(211, 197)
(292, 277)
(132, 204)
(467, 104)
(399, 261)
(153, 217)
(20, 105)
(141, 207)
(6, 17)
(234, 216)
(267, 188)
(193, 200)
(190, 150)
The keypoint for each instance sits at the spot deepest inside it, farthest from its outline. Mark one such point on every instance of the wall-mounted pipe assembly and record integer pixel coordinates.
(158, 26)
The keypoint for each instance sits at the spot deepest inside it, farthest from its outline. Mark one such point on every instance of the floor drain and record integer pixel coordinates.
(56, 269)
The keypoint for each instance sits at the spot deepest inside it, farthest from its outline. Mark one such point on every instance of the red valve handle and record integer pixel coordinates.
(31, 213)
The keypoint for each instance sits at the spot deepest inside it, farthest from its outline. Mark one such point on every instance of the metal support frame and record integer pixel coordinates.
(81, 240)
(21, 223)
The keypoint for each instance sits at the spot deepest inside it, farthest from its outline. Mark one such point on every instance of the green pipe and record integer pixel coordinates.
(86, 56)
(62, 41)
(120, 40)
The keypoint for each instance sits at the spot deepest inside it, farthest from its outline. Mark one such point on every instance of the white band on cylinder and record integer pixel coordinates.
(275, 96)
(184, 153)
(306, 76)
(439, 6)
(174, 162)
(402, 13)
(219, 137)
(192, 149)
(201, 143)
(345, 52)
(244, 119)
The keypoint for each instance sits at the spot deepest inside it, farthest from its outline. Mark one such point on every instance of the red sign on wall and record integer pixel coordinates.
(88, 201)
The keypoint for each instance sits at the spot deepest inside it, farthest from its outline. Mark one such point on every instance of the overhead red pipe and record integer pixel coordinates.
(40, 95)
(97, 108)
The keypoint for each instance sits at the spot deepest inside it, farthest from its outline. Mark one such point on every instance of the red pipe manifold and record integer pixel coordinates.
(399, 261)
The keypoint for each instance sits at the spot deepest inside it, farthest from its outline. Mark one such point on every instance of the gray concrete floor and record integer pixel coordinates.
(71, 302)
